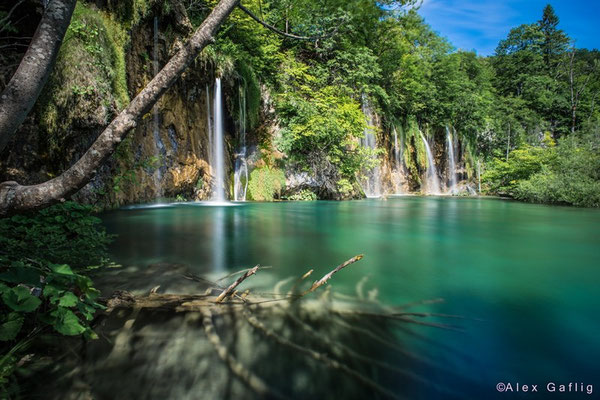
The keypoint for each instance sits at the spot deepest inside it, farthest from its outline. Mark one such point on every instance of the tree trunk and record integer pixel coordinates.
(25, 86)
(15, 198)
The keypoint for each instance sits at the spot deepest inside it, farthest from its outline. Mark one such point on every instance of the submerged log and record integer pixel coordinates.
(260, 341)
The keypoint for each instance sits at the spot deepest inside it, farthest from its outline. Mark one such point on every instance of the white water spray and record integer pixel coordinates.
(398, 157)
(372, 185)
(240, 176)
(433, 182)
(451, 161)
(218, 146)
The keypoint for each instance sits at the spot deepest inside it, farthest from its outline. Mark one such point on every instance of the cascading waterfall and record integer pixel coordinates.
(396, 149)
(451, 161)
(433, 182)
(398, 156)
(240, 176)
(372, 185)
(218, 145)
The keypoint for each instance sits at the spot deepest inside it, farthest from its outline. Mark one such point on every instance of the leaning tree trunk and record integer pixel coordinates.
(25, 86)
(15, 198)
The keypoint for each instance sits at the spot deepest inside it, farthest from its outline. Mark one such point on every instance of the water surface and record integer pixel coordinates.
(524, 276)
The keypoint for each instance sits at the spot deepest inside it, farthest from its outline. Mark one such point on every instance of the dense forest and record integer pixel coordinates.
(332, 100)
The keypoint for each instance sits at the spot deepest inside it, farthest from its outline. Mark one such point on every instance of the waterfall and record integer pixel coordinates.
(451, 161)
(433, 182)
(240, 176)
(372, 185)
(396, 149)
(218, 145)
(398, 156)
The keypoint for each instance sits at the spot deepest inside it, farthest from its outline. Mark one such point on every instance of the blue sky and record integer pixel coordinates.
(480, 24)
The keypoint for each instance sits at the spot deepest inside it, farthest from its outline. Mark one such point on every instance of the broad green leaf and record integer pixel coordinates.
(61, 269)
(19, 299)
(67, 322)
(11, 326)
(68, 300)
(52, 293)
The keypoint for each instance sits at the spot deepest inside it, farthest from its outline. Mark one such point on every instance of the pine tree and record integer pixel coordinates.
(555, 40)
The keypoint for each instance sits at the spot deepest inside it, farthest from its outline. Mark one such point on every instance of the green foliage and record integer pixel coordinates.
(571, 177)
(265, 184)
(567, 173)
(38, 290)
(319, 120)
(303, 195)
(63, 233)
(502, 176)
(49, 293)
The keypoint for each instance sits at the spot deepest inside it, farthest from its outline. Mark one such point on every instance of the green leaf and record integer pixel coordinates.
(68, 300)
(67, 322)
(3, 288)
(52, 293)
(19, 299)
(61, 269)
(10, 327)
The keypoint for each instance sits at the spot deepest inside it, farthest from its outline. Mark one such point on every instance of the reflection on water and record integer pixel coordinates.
(529, 272)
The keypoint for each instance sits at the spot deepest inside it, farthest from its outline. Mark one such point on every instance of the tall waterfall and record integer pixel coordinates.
(433, 182)
(240, 176)
(218, 146)
(396, 149)
(372, 185)
(451, 161)
(398, 157)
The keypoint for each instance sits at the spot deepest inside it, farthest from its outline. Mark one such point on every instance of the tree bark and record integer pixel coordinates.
(15, 198)
(21, 93)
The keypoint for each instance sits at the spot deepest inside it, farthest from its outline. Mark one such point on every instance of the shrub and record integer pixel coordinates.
(65, 233)
(265, 184)
(303, 195)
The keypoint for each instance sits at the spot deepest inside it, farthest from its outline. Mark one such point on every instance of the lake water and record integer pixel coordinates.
(524, 277)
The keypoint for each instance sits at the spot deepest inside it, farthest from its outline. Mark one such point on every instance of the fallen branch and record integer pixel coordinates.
(225, 293)
(328, 276)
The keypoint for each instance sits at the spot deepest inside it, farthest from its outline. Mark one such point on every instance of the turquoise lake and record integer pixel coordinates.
(523, 278)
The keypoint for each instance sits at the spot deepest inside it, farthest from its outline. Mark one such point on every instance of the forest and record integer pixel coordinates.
(186, 101)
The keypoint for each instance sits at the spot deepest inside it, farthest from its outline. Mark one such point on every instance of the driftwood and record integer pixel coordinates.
(347, 316)
(227, 292)
(328, 276)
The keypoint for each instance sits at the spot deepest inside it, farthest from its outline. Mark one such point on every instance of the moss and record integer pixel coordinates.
(265, 184)
(118, 42)
(88, 85)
